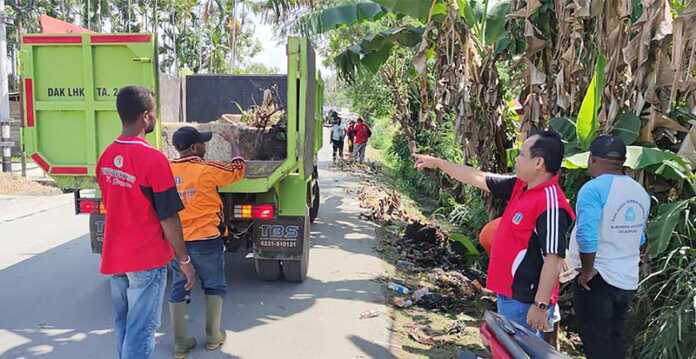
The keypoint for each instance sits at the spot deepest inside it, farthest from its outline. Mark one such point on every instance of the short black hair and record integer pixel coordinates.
(548, 146)
(360, 119)
(131, 101)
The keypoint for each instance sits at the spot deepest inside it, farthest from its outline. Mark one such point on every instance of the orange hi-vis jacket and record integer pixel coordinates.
(197, 182)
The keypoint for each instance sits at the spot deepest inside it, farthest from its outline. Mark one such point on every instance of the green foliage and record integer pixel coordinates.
(487, 25)
(373, 51)
(417, 9)
(665, 308)
(470, 215)
(384, 128)
(627, 126)
(339, 16)
(369, 96)
(664, 163)
(256, 68)
(199, 37)
(496, 18)
(466, 242)
(566, 128)
(587, 124)
(661, 230)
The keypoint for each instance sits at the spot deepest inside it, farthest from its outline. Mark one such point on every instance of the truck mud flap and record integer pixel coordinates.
(96, 231)
(282, 238)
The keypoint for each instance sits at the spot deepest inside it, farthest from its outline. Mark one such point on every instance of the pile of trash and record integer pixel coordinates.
(423, 247)
(267, 114)
(365, 168)
(382, 206)
(427, 246)
(456, 283)
(450, 293)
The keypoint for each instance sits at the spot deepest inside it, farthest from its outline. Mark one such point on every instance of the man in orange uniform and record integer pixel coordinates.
(197, 182)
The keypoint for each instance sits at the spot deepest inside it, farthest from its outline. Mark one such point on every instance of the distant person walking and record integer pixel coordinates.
(338, 133)
(362, 134)
(350, 133)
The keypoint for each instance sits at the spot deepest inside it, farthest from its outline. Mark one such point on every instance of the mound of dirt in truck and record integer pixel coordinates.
(254, 143)
(12, 184)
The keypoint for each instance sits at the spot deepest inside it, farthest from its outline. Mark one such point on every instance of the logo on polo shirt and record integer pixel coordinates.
(630, 215)
(118, 161)
(517, 218)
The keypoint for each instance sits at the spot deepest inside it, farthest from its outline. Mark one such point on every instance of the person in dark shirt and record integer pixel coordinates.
(530, 241)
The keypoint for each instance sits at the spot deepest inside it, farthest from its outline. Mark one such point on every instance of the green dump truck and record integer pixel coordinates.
(69, 86)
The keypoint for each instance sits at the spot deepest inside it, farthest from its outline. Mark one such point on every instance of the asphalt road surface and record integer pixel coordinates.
(54, 303)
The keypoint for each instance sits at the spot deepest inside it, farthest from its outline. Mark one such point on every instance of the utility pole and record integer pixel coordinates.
(5, 142)
(233, 58)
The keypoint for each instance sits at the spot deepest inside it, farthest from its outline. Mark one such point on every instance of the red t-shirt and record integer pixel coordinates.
(138, 191)
(362, 133)
(534, 224)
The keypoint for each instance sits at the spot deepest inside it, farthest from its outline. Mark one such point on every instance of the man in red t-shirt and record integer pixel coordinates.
(142, 230)
(530, 241)
(362, 134)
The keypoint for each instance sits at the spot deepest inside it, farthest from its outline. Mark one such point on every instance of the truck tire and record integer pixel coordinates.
(296, 270)
(267, 269)
(314, 206)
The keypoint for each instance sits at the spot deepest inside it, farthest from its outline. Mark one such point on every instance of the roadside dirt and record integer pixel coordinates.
(16, 185)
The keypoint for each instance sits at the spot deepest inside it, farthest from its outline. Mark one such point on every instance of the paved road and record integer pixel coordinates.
(55, 304)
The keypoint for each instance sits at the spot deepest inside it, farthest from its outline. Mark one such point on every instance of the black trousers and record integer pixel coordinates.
(337, 147)
(601, 314)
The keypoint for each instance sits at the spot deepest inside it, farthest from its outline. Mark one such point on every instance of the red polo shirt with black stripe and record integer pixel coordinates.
(535, 223)
(138, 192)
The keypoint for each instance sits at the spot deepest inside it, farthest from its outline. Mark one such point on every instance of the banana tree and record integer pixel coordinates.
(457, 42)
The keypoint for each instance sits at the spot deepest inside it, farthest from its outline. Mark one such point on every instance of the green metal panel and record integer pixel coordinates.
(74, 79)
(73, 107)
(319, 116)
(287, 187)
(261, 185)
(292, 196)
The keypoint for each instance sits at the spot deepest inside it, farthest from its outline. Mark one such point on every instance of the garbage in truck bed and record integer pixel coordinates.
(260, 132)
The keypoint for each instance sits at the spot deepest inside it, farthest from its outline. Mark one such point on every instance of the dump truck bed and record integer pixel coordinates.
(70, 115)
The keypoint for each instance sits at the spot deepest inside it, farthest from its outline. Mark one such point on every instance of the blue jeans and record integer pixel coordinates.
(516, 311)
(137, 298)
(208, 258)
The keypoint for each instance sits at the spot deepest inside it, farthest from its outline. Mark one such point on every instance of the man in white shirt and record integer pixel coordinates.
(612, 211)
(338, 133)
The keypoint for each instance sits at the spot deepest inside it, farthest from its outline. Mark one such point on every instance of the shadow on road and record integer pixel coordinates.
(56, 304)
(372, 350)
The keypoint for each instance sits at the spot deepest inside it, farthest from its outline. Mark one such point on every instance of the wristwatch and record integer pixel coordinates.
(542, 306)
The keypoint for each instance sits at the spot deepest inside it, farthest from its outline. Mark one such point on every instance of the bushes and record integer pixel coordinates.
(383, 129)
(462, 206)
(664, 312)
